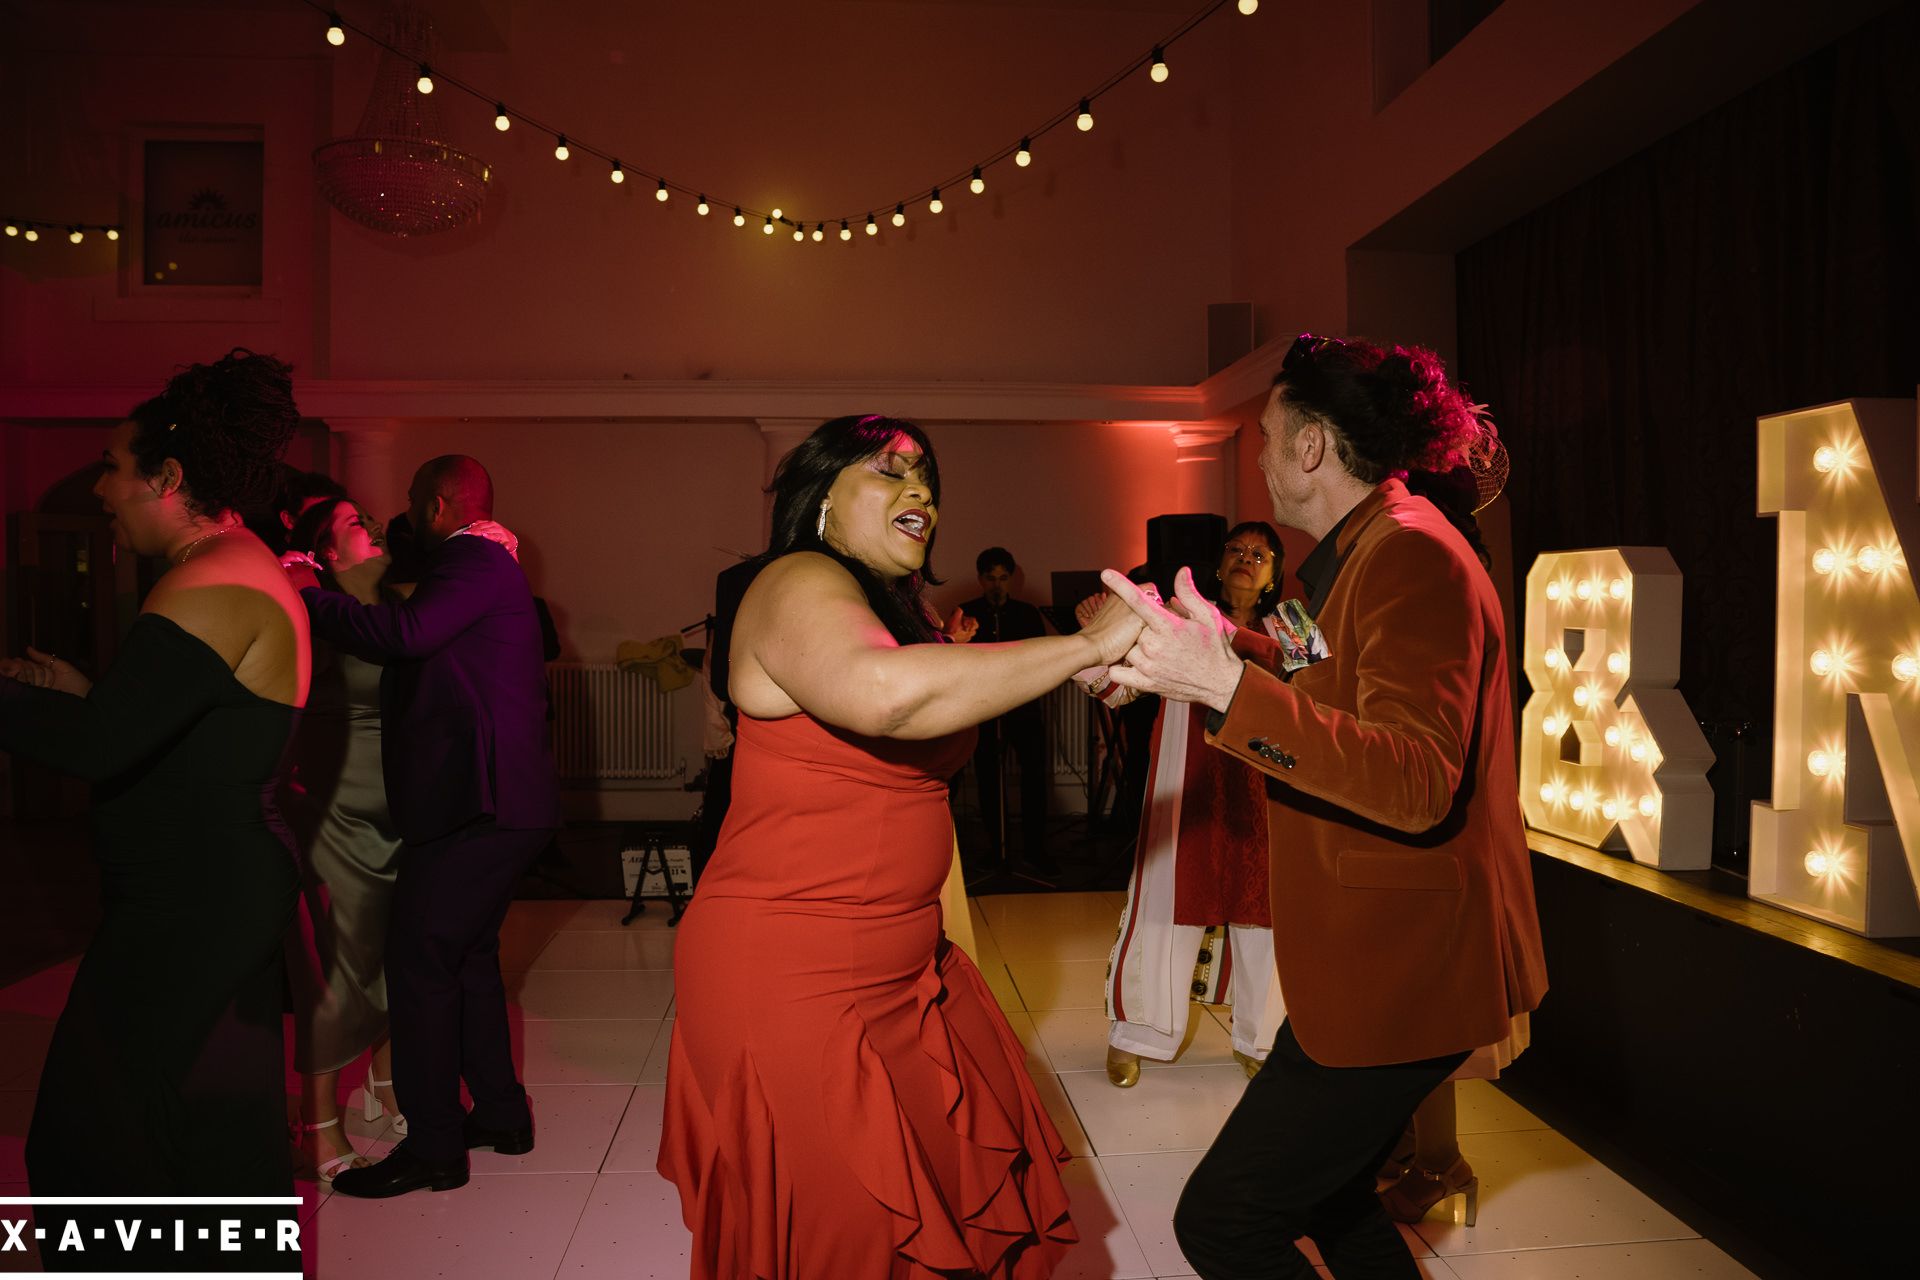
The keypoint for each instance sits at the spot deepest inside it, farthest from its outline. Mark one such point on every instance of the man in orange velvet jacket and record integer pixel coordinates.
(1404, 923)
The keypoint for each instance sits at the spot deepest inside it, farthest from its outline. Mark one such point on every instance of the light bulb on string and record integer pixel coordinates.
(425, 83)
(1085, 118)
(739, 218)
(1159, 69)
(13, 229)
(934, 203)
(1249, 6)
(846, 232)
(560, 151)
(776, 215)
(820, 233)
(701, 208)
(618, 175)
(978, 184)
(660, 192)
(900, 215)
(873, 228)
(76, 235)
(768, 229)
(501, 120)
(799, 232)
(336, 34)
(1024, 156)
(32, 234)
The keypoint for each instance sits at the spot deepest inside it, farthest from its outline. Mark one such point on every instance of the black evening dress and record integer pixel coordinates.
(165, 1075)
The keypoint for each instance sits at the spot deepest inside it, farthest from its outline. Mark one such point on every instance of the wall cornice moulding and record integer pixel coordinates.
(626, 401)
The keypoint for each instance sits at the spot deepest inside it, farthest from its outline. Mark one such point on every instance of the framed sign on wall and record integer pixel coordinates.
(204, 223)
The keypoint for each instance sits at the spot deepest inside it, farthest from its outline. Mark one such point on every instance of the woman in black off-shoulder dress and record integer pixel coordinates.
(165, 1075)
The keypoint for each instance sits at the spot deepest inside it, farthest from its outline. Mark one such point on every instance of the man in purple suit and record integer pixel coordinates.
(474, 794)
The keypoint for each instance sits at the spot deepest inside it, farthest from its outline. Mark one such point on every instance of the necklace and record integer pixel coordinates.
(191, 547)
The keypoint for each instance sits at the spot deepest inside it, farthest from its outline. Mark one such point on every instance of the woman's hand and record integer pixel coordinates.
(1088, 609)
(44, 671)
(960, 628)
(1112, 630)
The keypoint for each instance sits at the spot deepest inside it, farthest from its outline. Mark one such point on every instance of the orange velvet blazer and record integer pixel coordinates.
(1404, 924)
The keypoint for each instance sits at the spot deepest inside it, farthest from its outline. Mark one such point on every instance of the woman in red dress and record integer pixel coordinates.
(844, 1098)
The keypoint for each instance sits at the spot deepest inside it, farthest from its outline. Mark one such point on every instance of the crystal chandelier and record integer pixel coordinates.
(398, 173)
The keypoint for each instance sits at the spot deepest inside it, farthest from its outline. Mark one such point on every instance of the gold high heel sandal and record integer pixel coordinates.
(1418, 1190)
(324, 1170)
(1123, 1068)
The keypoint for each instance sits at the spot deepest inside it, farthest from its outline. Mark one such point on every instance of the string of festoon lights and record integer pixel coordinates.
(973, 177)
(29, 229)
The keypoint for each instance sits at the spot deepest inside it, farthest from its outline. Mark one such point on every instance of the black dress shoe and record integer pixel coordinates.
(506, 1142)
(402, 1171)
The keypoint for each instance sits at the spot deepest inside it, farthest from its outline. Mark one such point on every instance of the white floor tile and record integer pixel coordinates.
(1148, 1187)
(1052, 926)
(636, 1147)
(1107, 1248)
(631, 1230)
(1539, 1191)
(626, 993)
(1658, 1260)
(1178, 1109)
(1076, 1040)
(574, 1126)
(1482, 1108)
(1075, 984)
(516, 1224)
(1000, 982)
(1060, 1109)
(1037, 1061)
(607, 949)
(599, 1051)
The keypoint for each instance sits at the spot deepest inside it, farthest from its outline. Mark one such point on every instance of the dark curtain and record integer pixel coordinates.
(1627, 335)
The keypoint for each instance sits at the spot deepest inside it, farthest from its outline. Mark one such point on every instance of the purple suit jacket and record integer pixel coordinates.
(463, 700)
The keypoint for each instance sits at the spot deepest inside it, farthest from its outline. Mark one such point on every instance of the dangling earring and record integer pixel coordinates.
(820, 525)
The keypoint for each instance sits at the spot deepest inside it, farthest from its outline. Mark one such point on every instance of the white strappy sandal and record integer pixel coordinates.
(371, 1110)
(324, 1171)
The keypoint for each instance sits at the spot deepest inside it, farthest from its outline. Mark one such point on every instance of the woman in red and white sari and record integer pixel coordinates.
(1197, 924)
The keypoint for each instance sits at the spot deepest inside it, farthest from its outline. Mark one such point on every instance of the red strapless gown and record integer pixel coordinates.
(845, 1101)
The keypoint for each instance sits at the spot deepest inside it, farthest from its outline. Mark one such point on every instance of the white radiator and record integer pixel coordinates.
(611, 725)
(1068, 709)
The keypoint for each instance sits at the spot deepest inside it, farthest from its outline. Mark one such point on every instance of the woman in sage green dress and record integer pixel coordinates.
(336, 802)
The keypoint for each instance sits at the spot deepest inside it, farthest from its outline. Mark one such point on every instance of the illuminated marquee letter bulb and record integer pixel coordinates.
(1825, 560)
(1613, 735)
(1553, 658)
(1582, 696)
(1577, 801)
(1552, 726)
(1584, 590)
(1610, 809)
(1637, 752)
(1819, 763)
(1870, 559)
(1546, 792)
(1825, 459)
(1554, 591)
(1617, 588)
(1822, 663)
(1906, 667)
(1616, 663)
(1648, 807)
(1818, 862)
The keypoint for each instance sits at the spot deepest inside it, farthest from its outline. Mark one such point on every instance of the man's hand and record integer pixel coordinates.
(1185, 655)
(1113, 629)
